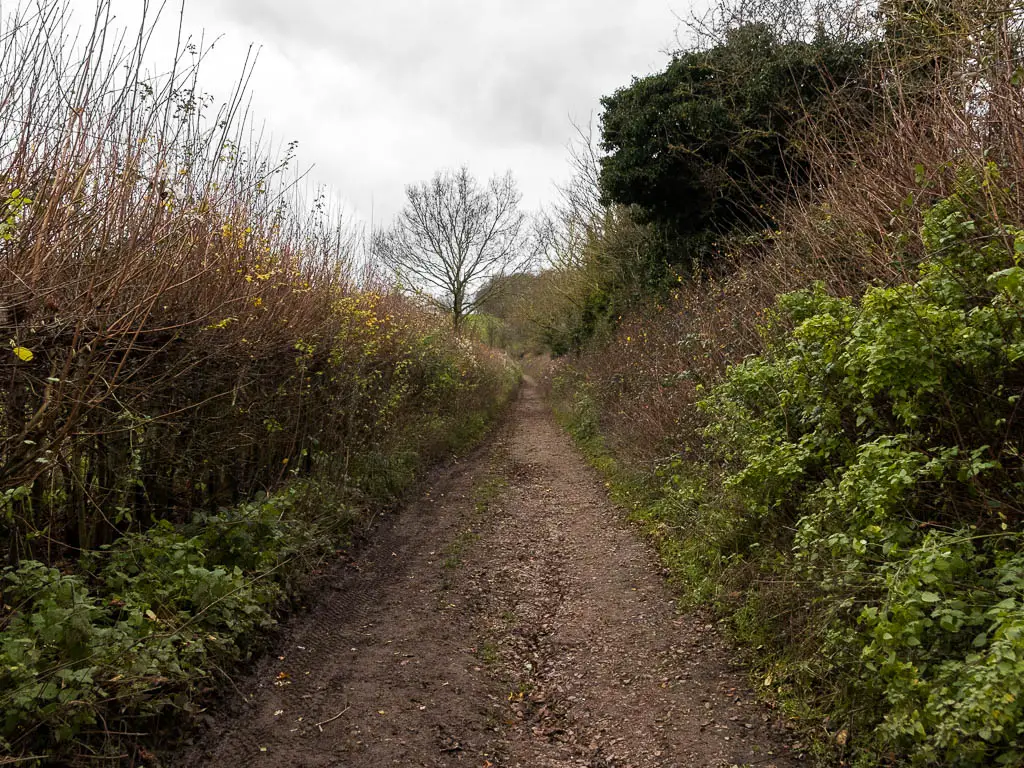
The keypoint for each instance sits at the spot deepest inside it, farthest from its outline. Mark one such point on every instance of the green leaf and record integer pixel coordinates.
(1010, 279)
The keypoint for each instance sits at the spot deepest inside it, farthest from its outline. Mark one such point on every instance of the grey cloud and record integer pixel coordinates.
(507, 71)
(382, 93)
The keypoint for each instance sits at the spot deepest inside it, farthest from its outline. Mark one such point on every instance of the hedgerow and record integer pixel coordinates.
(98, 651)
(822, 433)
(201, 394)
(871, 460)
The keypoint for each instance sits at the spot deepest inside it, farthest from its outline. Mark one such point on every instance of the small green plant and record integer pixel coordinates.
(12, 209)
(455, 550)
(488, 652)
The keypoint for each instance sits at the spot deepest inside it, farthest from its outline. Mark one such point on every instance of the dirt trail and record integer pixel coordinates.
(507, 618)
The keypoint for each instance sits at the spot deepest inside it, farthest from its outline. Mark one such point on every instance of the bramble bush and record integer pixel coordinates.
(857, 505)
(139, 630)
(875, 450)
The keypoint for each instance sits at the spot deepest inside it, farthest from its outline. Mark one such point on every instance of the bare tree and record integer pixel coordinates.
(454, 236)
(577, 214)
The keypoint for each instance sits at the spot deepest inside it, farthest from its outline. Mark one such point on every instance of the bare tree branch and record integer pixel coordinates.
(453, 237)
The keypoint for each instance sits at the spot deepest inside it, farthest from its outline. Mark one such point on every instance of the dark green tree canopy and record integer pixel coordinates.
(703, 146)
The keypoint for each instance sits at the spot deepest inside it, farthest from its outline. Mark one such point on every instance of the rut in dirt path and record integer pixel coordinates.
(507, 618)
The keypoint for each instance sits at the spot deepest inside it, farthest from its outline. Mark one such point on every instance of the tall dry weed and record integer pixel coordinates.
(178, 326)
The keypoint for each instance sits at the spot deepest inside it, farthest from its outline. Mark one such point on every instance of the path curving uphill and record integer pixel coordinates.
(506, 618)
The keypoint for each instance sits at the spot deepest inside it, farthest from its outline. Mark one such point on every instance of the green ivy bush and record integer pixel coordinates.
(875, 452)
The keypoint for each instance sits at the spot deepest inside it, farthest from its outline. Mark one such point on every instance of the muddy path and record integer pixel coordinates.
(506, 618)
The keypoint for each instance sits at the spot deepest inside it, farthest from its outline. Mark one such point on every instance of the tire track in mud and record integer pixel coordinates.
(506, 618)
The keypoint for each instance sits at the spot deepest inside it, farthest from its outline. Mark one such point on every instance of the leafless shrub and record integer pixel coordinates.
(175, 321)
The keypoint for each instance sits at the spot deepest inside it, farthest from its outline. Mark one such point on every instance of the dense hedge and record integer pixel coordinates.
(866, 492)
(200, 383)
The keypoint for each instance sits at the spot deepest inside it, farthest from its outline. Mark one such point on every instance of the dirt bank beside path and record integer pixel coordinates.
(507, 618)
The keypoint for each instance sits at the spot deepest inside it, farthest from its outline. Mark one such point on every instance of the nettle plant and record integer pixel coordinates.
(887, 434)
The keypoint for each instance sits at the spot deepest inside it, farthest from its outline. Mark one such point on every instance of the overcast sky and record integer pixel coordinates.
(382, 93)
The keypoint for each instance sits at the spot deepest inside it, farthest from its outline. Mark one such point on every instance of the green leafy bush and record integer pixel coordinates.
(884, 436)
(138, 631)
